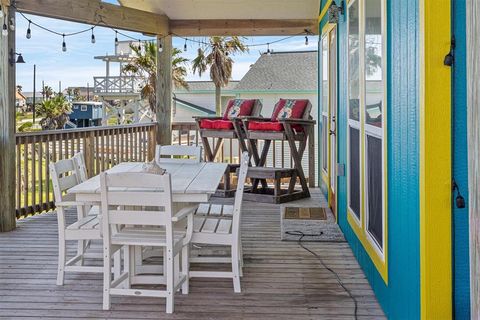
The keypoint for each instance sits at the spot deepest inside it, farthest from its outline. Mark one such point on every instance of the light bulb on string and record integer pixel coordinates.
(160, 46)
(4, 30)
(139, 45)
(268, 49)
(93, 36)
(29, 31)
(306, 40)
(64, 45)
(185, 45)
(1, 9)
(116, 37)
(11, 23)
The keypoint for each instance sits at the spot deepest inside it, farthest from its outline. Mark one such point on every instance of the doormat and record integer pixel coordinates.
(305, 213)
(316, 223)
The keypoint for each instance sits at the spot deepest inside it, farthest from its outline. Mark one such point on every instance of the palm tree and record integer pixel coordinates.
(144, 66)
(217, 57)
(47, 92)
(54, 112)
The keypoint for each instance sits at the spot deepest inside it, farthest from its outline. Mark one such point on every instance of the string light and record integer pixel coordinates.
(116, 37)
(185, 45)
(4, 29)
(29, 31)
(64, 45)
(1, 10)
(160, 46)
(268, 49)
(139, 45)
(93, 36)
(306, 40)
(11, 23)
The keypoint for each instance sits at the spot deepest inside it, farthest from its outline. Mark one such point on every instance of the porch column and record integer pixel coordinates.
(164, 91)
(7, 124)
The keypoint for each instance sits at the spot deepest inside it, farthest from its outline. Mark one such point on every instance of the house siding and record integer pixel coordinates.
(461, 271)
(400, 298)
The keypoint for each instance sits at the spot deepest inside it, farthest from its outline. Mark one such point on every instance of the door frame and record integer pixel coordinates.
(327, 31)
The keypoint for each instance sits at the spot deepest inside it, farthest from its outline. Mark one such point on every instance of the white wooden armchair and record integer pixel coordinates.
(220, 225)
(178, 154)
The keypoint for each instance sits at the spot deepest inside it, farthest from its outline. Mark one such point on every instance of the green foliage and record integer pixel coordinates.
(27, 126)
(217, 57)
(144, 66)
(54, 112)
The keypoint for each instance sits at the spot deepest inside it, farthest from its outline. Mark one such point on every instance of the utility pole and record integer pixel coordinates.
(59, 87)
(88, 91)
(34, 89)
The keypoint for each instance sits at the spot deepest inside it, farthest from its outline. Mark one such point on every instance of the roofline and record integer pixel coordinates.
(194, 106)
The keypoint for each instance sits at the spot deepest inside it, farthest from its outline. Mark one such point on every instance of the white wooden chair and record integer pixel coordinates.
(137, 212)
(64, 175)
(183, 154)
(220, 225)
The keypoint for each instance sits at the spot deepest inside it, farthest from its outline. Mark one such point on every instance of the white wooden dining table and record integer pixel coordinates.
(191, 182)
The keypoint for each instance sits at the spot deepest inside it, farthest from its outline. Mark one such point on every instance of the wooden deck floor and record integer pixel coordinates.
(281, 280)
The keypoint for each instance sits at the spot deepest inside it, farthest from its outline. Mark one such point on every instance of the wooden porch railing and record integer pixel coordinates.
(103, 147)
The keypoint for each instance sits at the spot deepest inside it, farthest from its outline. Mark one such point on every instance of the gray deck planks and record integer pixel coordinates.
(281, 280)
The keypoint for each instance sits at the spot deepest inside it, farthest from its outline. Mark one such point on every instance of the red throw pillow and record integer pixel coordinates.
(289, 109)
(238, 107)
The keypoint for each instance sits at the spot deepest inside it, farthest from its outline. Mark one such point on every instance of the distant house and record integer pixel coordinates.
(199, 99)
(20, 100)
(85, 92)
(29, 97)
(288, 75)
(86, 114)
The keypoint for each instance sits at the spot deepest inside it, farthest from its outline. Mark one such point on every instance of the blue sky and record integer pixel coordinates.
(76, 67)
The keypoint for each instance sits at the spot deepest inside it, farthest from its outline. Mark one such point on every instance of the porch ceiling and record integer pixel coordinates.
(232, 9)
(233, 17)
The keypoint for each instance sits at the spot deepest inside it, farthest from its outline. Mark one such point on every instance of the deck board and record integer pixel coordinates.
(281, 280)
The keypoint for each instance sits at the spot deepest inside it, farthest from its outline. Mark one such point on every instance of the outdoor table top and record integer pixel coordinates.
(190, 182)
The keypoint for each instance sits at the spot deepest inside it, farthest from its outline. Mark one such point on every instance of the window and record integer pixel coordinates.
(354, 109)
(366, 113)
(324, 108)
(83, 108)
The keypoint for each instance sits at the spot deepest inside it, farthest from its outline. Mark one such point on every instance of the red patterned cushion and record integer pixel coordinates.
(289, 109)
(238, 108)
(265, 126)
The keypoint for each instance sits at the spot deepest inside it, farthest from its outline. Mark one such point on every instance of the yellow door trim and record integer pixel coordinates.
(435, 161)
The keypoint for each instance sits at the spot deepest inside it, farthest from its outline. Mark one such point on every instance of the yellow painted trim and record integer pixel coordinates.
(328, 27)
(324, 10)
(435, 161)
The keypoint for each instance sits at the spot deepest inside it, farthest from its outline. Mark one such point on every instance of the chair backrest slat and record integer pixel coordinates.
(237, 207)
(136, 199)
(64, 176)
(178, 154)
(80, 166)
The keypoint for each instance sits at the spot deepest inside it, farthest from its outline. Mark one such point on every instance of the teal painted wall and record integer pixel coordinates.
(400, 299)
(461, 272)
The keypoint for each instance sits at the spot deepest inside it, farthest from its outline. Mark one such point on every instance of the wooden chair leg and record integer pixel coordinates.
(236, 269)
(170, 279)
(81, 251)
(61, 260)
(107, 275)
(185, 268)
(127, 260)
(176, 270)
(240, 258)
(208, 151)
(117, 258)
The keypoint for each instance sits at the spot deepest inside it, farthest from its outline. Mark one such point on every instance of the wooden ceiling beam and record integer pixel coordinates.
(97, 12)
(242, 27)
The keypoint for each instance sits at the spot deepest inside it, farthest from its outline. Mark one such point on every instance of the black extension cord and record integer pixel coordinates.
(300, 243)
